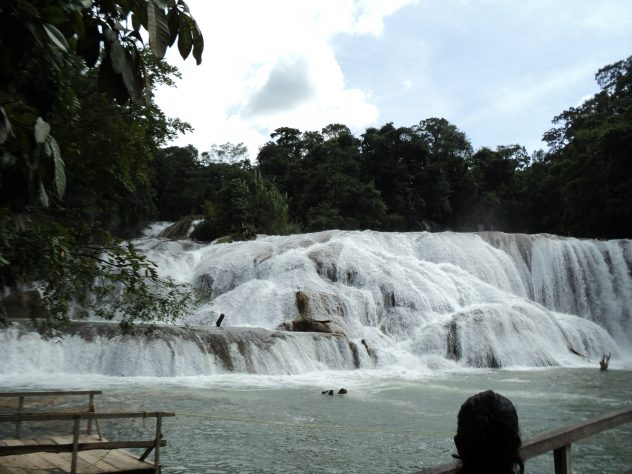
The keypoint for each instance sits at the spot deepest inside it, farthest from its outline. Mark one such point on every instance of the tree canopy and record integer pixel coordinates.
(78, 129)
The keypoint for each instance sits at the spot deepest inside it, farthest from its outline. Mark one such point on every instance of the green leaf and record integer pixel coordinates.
(89, 45)
(158, 29)
(198, 42)
(56, 37)
(59, 167)
(5, 127)
(123, 64)
(184, 5)
(41, 129)
(185, 40)
(42, 196)
(174, 25)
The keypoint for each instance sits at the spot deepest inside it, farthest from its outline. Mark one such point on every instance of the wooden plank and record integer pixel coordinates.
(49, 393)
(13, 470)
(31, 463)
(58, 416)
(126, 461)
(68, 448)
(95, 459)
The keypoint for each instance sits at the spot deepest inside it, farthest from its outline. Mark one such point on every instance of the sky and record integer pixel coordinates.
(500, 70)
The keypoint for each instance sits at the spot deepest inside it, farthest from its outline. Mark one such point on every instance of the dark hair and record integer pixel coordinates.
(488, 435)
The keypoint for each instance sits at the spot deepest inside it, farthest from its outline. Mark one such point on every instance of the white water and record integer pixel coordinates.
(419, 301)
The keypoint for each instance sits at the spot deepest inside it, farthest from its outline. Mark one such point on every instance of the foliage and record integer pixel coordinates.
(76, 273)
(590, 158)
(61, 64)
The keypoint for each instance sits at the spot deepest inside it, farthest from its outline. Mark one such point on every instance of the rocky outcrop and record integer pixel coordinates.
(179, 230)
(304, 322)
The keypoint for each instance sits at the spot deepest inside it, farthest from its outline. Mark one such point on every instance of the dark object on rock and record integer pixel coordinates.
(603, 363)
(369, 350)
(342, 391)
(219, 320)
(179, 230)
(306, 325)
(331, 392)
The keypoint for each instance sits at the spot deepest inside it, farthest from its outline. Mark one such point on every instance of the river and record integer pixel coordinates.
(387, 422)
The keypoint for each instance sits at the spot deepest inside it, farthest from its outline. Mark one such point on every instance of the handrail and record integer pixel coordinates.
(49, 393)
(558, 440)
(77, 444)
(21, 396)
(57, 416)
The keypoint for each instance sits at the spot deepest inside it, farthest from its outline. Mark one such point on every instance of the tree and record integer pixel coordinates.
(57, 59)
(590, 150)
(443, 182)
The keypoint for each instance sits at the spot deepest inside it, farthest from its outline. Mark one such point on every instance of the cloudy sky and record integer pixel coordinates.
(500, 70)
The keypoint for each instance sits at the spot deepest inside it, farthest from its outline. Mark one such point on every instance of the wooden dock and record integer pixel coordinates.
(93, 461)
(77, 452)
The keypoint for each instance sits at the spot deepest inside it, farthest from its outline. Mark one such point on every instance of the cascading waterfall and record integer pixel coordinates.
(411, 300)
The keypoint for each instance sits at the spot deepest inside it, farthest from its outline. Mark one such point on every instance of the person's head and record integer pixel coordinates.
(488, 436)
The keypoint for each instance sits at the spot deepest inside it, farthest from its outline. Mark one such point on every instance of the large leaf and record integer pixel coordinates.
(185, 39)
(56, 37)
(173, 20)
(89, 45)
(158, 28)
(5, 127)
(198, 42)
(111, 82)
(59, 167)
(123, 64)
(184, 5)
(42, 197)
(41, 129)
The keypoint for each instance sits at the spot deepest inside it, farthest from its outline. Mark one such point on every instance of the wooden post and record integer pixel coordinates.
(157, 441)
(75, 444)
(562, 459)
(90, 409)
(18, 424)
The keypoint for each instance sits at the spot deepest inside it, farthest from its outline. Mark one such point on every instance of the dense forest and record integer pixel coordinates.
(84, 163)
(422, 177)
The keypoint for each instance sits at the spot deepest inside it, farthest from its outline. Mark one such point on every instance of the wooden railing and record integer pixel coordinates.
(21, 397)
(559, 441)
(77, 445)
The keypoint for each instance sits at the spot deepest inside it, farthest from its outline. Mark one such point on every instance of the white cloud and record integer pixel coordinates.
(271, 64)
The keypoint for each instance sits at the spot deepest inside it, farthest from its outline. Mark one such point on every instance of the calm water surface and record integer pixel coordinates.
(385, 424)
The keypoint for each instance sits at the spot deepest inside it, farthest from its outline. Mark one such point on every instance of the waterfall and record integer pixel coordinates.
(392, 299)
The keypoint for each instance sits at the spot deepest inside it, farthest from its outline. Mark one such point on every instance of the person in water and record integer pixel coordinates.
(488, 437)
